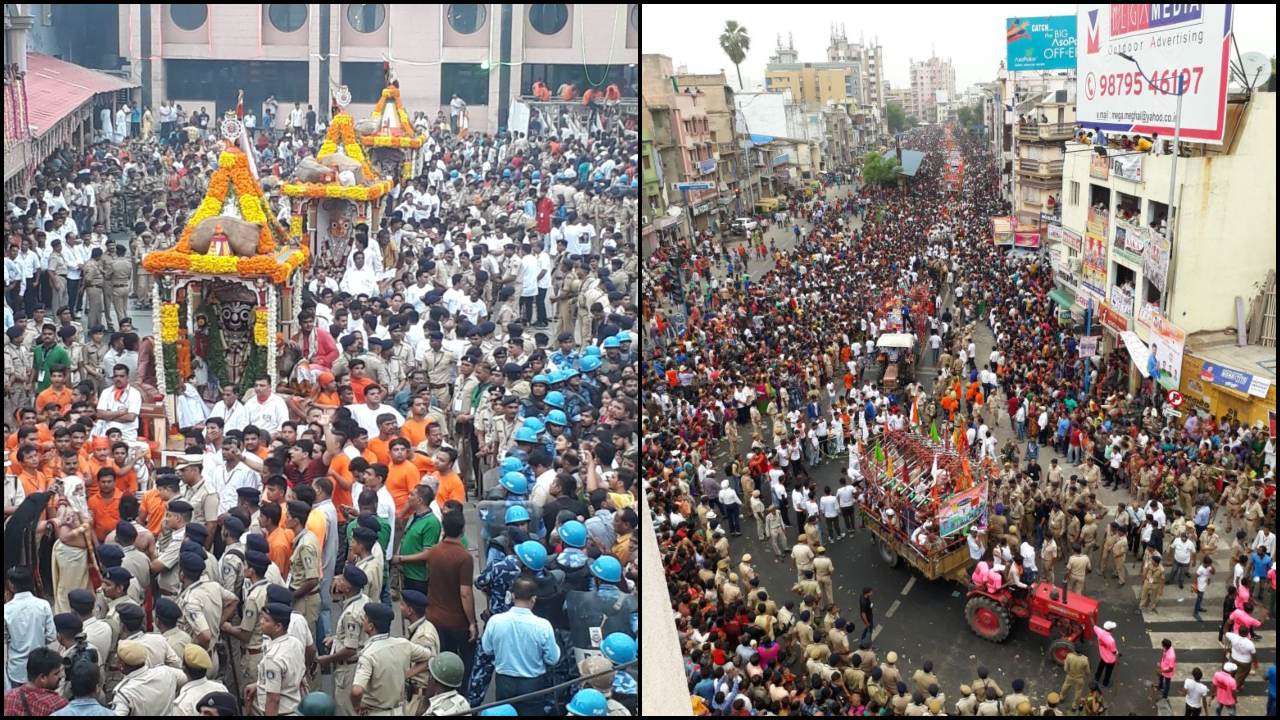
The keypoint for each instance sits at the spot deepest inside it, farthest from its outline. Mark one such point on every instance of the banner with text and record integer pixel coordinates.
(1099, 167)
(962, 510)
(1130, 242)
(1127, 167)
(1041, 43)
(1176, 46)
(1155, 259)
(1002, 230)
(1093, 264)
(1026, 239)
(1168, 341)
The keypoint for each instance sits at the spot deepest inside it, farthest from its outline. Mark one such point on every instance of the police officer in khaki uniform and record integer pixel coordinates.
(968, 702)
(1077, 668)
(167, 615)
(379, 682)
(348, 635)
(196, 663)
(205, 605)
(822, 571)
(304, 563)
(413, 607)
(1078, 566)
(247, 638)
(803, 556)
(94, 274)
(278, 688)
(197, 492)
(145, 691)
(119, 273)
(1152, 582)
(440, 366)
(1115, 555)
(446, 676)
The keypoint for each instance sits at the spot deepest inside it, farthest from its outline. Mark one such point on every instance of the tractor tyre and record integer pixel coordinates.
(987, 619)
(889, 555)
(1060, 649)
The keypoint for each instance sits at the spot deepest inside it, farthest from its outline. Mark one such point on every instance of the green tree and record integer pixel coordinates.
(880, 169)
(896, 116)
(735, 42)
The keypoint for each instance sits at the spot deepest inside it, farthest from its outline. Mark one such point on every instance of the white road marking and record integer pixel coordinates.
(876, 632)
(893, 608)
(910, 584)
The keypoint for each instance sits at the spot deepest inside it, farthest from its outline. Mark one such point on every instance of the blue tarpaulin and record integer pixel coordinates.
(761, 139)
(911, 160)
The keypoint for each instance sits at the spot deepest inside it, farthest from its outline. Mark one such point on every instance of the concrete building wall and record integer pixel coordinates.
(771, 114)
(416, 39)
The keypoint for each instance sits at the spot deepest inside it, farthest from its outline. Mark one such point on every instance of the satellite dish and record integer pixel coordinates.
(1253, 70)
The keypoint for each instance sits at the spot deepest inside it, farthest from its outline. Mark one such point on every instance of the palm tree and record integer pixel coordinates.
(735, 42)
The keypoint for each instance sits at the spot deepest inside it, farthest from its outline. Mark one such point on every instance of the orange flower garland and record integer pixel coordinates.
(184, 358)
(409, 140)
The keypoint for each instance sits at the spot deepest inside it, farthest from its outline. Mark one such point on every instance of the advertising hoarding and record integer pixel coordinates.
(1041, 43)
(1169, 43)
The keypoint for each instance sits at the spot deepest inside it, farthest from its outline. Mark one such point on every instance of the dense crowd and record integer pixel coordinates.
(763, 378)
(479, 370)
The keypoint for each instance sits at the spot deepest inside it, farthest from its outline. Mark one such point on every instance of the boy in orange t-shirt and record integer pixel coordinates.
(402, 475)
(104, 505)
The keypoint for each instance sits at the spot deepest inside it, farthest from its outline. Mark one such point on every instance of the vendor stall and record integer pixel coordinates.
(393, 144)
(334, 195)
(222, 292)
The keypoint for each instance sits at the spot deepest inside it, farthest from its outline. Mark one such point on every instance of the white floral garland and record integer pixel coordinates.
(157, 345)
(273, 367)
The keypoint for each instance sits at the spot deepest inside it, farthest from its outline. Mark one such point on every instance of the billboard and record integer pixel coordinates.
(962, 510)
(1098, 166)
(1041, 43)
(1168, 42)
(1131, 241)
(1127, 167)
(1155, 259)
(1167, 341)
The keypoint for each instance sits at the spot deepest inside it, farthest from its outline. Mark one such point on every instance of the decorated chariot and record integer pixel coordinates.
(224, 290)
(393, 144)
(335, 193)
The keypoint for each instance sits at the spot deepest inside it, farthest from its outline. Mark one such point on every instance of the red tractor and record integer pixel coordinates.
(1051, 611)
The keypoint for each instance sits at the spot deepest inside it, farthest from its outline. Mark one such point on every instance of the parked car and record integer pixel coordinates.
(743, 226)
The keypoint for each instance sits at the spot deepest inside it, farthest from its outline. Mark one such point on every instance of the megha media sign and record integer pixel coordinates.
(1170, 43)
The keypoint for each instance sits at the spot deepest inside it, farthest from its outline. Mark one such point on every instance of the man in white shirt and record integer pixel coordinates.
(544, 281)
(530, 275)
(1028, 553)
(230, 409)
(265, 409)
(74, 255)
(366, 413)
(1183, 548)
(830, 508)
(119, 406)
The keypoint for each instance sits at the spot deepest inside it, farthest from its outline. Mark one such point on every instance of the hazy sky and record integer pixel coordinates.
(971, 35)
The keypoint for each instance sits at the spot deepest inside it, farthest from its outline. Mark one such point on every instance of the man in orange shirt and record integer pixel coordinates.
(57, 392)
(415, 428)
(253, 442)
(104, 505)
(279, 538)
(359, 382)
(27, 468)
(381, 445)
(451, 487)
(402, 476)
(126, 476)
(156, 500)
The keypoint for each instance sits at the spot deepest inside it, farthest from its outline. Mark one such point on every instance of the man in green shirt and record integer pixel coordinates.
(48, 355)
(421, 533)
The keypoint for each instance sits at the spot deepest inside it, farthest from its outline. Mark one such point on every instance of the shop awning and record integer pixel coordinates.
(1063, 297)
(57, 88)
(911, 160)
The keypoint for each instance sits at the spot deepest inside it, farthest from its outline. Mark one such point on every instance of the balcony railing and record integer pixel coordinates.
(1040, 168)
(1046, 131)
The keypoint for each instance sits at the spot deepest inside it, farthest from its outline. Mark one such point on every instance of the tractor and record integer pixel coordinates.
(1050, 610)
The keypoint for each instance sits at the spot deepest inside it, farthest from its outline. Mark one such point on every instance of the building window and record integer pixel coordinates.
(189, 17)
(206, 80)
(364, 80)
(548, 18)
(466, 80)
(366, 17)
(467, 19)
(287, 18)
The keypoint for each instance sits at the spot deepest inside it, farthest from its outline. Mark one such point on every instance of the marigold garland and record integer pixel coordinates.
(295, 226)
(260, 335)
(169, 323)
(213, 264)
(184, 358)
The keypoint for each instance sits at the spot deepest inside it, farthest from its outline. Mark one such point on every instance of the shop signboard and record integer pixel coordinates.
(1002, 230)
(1098, 166)
(962, 510)
(707, 166)
(1155, 259)
(1041, 43)
(1111, 319)
(1237, 380)
(1127, 167)
(1093, 263)
(1066, 236)
(1175, 45)
(1026, 239)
